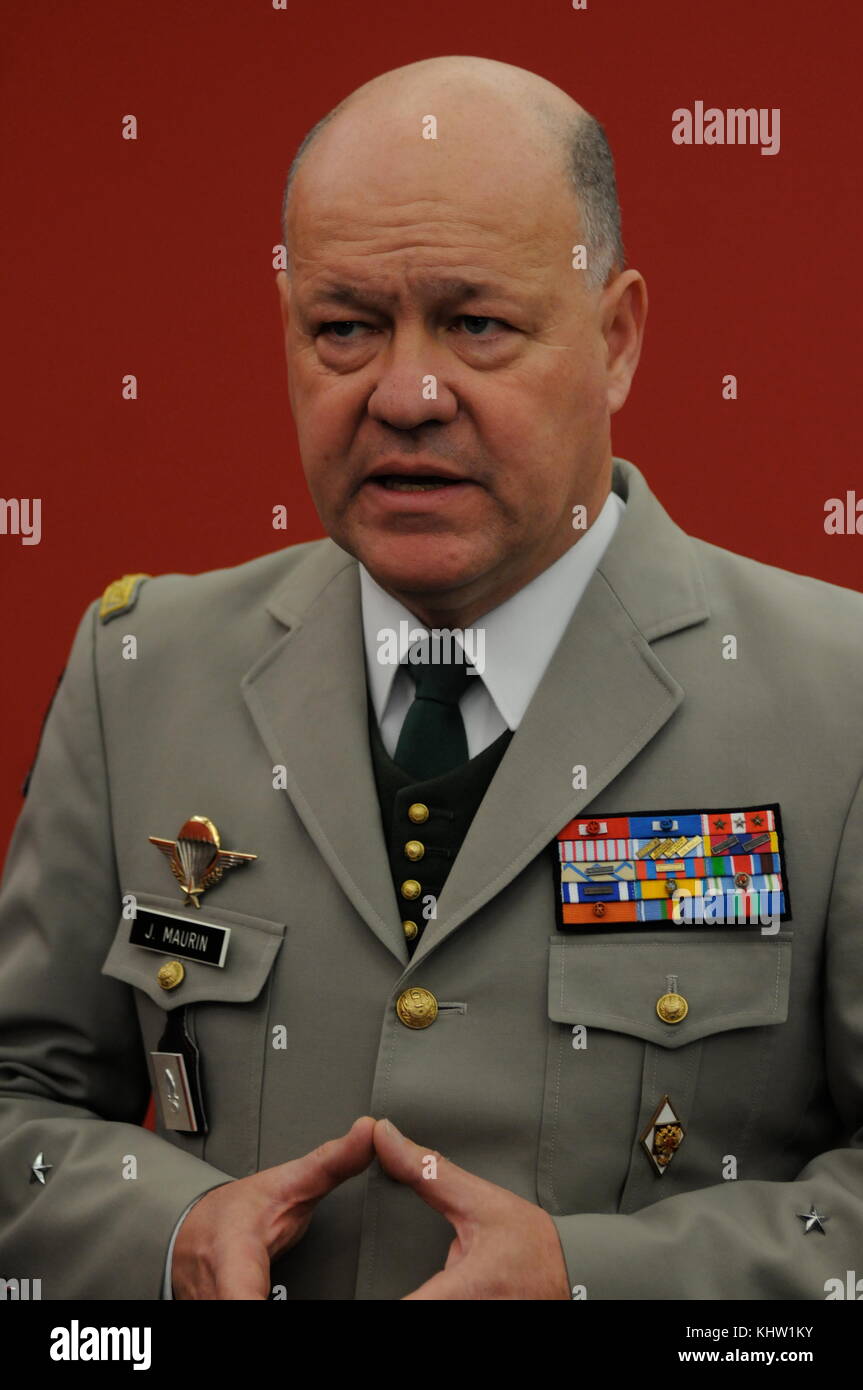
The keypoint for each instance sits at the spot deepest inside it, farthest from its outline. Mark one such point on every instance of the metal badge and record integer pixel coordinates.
(812, 1221)
(196, 857)
(38, 1169)
(172, 1088)
(663, 1136)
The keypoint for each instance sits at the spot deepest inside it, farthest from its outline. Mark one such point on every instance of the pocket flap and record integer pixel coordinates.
(252, 948)
(615, 983)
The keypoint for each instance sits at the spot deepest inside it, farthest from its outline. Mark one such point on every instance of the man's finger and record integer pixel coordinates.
(311, 1177)
(451, 1190)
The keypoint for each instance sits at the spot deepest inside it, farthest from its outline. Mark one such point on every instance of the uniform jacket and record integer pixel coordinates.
(247, 670)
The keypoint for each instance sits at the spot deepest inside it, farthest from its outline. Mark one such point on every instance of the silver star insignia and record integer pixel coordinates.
(812, 1221)
(40, 1168)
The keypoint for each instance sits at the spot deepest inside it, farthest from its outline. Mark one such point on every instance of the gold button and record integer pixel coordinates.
(418, 813)
(410, 929)
(171, 974)
(672, 1008)
(410, 888)
(415, 849)
(416, 1008)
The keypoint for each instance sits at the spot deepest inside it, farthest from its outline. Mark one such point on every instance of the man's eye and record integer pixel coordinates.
(350, 330)
(340, 328)
(475, 324)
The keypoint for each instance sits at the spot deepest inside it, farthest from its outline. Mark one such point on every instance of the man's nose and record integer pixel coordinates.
(410, 389)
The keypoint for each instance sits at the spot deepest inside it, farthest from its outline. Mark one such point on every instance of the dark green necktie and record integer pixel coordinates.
(433, 740)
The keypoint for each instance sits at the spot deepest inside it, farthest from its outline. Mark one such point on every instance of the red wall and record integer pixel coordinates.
(153, 257)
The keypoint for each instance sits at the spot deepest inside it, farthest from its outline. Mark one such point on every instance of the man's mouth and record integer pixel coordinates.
(394, 483)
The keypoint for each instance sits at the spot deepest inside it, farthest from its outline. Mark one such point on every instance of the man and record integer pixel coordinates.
(489, 908)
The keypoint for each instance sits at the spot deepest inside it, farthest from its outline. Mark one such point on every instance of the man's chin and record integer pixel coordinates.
(420, 581)
(423, 574)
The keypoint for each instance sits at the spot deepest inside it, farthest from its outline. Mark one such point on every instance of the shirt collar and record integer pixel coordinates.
(520, 635)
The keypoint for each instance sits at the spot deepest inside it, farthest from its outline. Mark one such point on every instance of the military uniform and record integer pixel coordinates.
(681, 1099)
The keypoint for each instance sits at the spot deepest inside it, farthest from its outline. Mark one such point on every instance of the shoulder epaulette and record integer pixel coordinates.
(121, 595)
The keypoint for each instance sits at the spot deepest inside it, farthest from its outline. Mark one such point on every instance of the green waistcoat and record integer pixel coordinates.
(425, 824)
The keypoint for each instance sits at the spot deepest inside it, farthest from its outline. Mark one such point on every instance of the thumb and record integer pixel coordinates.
(451, 1190)
(311, 1177)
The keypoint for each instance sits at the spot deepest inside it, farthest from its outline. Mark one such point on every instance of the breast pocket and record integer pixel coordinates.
(636, 1019)
(224, 1010)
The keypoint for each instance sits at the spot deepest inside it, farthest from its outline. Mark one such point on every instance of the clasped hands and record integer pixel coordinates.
(503, 1248)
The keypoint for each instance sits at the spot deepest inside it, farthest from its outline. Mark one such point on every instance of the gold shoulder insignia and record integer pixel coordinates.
(120, 596)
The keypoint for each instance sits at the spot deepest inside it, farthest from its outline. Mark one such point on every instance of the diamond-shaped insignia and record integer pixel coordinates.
(663, 1136)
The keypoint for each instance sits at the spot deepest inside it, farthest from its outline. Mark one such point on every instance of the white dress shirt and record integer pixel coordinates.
(520, 637)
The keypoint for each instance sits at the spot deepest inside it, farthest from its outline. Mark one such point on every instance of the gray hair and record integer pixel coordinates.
(591, 168)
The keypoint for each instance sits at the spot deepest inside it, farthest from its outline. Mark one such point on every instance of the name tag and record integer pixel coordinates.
(177, 936)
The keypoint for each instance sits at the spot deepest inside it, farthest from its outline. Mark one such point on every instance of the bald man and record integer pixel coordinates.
(481, 900)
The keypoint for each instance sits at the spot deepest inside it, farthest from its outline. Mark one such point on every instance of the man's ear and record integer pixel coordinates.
(283, 284)
(623, 312)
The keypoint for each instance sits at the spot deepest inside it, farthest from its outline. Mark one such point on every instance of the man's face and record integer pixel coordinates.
(448, 368)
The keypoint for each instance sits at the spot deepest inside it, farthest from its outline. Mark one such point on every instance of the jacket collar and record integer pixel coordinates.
(649, 564)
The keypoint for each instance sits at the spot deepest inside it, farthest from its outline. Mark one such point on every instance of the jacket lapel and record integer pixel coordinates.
(307, 696)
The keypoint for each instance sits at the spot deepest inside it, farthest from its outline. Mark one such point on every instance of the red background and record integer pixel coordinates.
(154, 257)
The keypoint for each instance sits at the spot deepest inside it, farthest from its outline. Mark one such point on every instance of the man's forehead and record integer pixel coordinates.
(381, 288)
(439, 248)
(448, 199)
